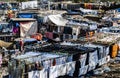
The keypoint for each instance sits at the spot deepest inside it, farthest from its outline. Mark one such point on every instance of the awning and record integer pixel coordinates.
(57, 20)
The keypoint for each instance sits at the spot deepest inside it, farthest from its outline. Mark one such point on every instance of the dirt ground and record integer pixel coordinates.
(113, 73)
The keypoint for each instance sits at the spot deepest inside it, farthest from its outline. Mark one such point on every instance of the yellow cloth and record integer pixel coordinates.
(85, 5)
(91, 34)
(114, 50)
(5, 44)
(9, 12)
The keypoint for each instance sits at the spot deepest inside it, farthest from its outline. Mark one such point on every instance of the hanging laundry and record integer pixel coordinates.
(83, 70)
(69, 58)
(58, 61)
(28, 28)
(17, 72)
(49, 35)
(85, 5)
(53, 72)
(54, 62)
(93, 57)
(107, 58)
(44, 73)
(89, 6)
(70, 68)
(91, 66)
(62, 70)
(46, 64)
(100, 53)
(15, 30)
(102, 61)
(106, 50)
(114, 52)
(34, 74)
(63, 60)
(83, 59)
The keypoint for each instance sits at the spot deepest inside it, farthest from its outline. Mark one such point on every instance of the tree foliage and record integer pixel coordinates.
(21, 0)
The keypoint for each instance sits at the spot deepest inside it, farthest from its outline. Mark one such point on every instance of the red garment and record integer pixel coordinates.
(88, 6)
(54, 62)
(21, 43)
(49, 35)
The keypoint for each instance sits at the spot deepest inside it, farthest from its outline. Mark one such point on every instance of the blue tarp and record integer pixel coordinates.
(25, 15)
(118, 9)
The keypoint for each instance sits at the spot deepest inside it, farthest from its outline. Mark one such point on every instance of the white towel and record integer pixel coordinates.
(53, 73)
(83, 59)
(93, 58)
(70, 68)
(83, 70)
(61, 70)
(44, 73)
(91, 66)
(34, 74)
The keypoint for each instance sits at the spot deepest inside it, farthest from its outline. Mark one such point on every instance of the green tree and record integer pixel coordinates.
(21, 0)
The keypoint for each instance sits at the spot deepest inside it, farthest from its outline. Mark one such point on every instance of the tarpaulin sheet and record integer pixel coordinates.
(28, 28)
(57, 20)
(118, 9)
(25, 15)
(5, 44)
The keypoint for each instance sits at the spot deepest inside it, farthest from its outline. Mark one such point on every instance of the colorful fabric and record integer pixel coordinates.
(15, 30)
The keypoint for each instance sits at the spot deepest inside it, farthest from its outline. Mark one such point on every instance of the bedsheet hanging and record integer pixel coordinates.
(28, 28)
